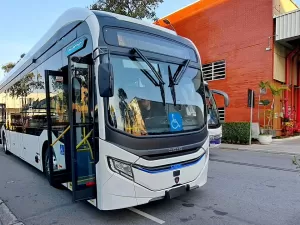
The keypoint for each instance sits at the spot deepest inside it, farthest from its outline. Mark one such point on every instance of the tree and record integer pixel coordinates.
(7, 67)
(138, 9)
(25, 86)
(276, 91)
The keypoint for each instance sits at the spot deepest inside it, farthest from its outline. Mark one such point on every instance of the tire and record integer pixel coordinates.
(4, 143)
(47, 171)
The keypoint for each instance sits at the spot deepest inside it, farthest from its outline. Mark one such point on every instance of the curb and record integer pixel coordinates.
(287, 139)
(7, 217)
(261, 150)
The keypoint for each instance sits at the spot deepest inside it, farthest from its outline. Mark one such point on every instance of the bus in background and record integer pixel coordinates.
(111, 107)
(213, 117)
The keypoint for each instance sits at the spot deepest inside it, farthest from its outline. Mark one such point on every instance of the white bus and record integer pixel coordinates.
(214, 122)
(118, 104)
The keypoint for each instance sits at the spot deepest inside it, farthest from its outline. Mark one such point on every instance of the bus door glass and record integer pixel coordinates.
(2, 114)
(81, 122)
(58, 125)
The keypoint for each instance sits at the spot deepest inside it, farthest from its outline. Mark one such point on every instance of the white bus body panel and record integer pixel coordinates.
(15, 140)
(27, 147)
(164, 180)
(30, 149)
(215, 136)
(117, 191)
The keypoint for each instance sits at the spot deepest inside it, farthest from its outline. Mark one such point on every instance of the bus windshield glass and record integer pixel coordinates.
(137, 106)
(213, 115)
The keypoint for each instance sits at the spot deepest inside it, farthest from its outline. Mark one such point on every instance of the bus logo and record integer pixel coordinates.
(175, 149)
(75, 46)
(177, 166)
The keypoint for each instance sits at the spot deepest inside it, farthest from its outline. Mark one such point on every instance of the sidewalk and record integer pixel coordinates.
(290, 146)
(6, 216)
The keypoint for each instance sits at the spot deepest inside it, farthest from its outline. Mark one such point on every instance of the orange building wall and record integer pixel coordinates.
(237, 31)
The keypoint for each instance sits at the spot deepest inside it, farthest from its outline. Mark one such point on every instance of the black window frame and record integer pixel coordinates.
(122, 51)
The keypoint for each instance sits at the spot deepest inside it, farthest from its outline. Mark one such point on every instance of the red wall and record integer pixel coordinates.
(237, 31)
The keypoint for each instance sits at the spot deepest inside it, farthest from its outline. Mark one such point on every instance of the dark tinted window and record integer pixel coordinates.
(148, 42)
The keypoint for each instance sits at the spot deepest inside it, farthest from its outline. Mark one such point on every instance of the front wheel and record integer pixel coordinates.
(47, 170)
(5, 146)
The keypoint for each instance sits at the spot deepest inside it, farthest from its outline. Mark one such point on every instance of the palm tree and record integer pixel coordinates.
(265, 103)
(276, 90)
(7, 67)
(262, 90)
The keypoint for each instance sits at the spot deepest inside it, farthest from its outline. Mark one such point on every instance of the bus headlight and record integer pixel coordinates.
(214, 137)
(120, 167)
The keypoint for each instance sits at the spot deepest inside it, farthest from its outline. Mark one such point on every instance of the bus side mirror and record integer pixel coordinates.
(106, 80)
(226, 98)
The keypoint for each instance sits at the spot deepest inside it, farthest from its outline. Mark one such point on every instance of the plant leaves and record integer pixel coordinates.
(138, 9)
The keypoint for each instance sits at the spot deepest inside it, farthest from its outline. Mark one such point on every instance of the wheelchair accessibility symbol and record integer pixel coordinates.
(175, 121)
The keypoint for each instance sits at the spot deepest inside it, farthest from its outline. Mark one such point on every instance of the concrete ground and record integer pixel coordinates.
(243, 188)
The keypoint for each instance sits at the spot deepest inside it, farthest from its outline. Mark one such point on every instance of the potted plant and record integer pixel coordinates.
(276, 91)
(265, 135)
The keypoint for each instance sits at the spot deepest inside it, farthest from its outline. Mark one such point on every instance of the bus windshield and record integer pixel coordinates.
(213, 115)
(137, 107)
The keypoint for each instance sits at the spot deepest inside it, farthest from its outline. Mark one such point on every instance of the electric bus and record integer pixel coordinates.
(111, 107)
(214, 122)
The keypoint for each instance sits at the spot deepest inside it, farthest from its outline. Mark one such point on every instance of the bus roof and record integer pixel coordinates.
(68, 17)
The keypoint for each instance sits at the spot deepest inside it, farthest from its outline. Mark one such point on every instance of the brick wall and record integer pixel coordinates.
(237, 31)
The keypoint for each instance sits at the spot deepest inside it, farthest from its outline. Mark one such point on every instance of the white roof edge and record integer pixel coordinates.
(137, 21)
(196, 49)
(69, 16)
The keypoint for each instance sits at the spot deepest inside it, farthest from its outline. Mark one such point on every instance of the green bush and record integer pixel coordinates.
(236, 133)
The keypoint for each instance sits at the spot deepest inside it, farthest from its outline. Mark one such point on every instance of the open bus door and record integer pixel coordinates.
(56, 83)
(82, 128)
(74, 139)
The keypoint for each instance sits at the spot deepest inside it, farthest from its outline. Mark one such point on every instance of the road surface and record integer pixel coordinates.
(243, 188)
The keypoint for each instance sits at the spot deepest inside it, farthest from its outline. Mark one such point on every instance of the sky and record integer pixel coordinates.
(23, 23)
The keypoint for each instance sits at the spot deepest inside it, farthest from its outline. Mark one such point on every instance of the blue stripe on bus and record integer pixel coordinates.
(171, 168)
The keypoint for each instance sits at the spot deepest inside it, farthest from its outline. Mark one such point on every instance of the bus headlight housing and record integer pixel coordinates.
(214, 137)
(121, 167)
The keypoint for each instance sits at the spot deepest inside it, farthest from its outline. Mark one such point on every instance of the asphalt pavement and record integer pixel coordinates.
(243, 188)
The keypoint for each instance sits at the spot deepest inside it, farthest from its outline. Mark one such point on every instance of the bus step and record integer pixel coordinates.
(62, 176)
(83, 149)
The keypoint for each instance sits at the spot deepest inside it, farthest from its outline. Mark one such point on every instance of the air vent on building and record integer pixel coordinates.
(222, 114)
(214, 71)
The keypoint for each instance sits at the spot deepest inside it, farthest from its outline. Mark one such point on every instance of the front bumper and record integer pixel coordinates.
(119, 192)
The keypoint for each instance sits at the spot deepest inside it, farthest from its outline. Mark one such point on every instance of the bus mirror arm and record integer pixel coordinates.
(106, 80)
(226, 98)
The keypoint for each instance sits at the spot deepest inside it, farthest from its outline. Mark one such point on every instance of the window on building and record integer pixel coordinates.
(222, 114)
(214, 70)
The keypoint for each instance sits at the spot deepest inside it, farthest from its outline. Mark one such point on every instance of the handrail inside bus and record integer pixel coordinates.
(79, 144)
(84, 139)
(60, 136)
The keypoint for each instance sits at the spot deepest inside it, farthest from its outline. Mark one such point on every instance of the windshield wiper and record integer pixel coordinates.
(172, 85)
(149, 76)
(180, 71)
(176, 78)
(161, 86)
